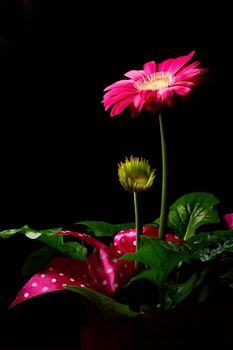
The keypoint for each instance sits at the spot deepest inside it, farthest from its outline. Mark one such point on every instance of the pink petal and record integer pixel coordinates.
(152, 97)
(120, 83)
(164, 66)
(183, 83)
(150, 67)
(108, 102)
(133, 111)
(179, 62)
(121, 105)
(115, 92)
(138, 102)
(189, 67)
(165, 95)
(181, 90)
(135, 74)
(188, 73)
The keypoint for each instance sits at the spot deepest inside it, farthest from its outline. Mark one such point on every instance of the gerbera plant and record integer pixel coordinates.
(175, 256)
(152, 88)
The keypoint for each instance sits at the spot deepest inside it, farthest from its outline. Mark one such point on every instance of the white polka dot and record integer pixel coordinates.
(132, 233)
(26, 295)
(42, 275)
(104, 282)
(121, 274)
(123, 240)
(61, 274)
(34, 284)
(51, 269)
(134, 243)
(118, 251)
(45, 289)
(64, 285)
(109, 270)
(82, 285)
(53, 280)
(115, 285)
(72, 279)
(125, 266)
(114, 260)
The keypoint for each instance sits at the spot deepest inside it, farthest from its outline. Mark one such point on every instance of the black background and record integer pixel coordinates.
(59, 149)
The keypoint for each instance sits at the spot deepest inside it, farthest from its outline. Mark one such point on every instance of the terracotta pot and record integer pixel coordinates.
(190, 327)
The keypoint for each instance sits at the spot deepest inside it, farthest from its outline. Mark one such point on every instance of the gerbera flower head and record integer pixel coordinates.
(135, 174)
(153, 87)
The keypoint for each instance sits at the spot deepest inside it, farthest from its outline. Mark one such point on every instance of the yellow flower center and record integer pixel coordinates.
(154, 81)
(138, 178)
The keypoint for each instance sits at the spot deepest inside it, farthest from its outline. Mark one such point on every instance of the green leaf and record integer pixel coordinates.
(32, 235)
(38, 260)
(192, 211)
(46, 236)
(176, 293)
(55, 242)
(160, 257)
(75, 250)
(108, 307)
(10, 232)
(101, 228)
(29, 232)
(207, 245)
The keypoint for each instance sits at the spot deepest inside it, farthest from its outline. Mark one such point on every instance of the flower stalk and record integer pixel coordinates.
(136, 176)
(138, 222)
(163, 208)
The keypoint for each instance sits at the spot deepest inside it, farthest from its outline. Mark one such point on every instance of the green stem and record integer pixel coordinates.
(163, 212)
(138, 222)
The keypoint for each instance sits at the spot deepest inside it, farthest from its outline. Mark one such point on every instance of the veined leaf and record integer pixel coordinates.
(160, 257)
(192, 211)
(207, 245)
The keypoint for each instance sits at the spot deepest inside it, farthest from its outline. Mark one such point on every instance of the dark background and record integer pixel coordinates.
(59, 149)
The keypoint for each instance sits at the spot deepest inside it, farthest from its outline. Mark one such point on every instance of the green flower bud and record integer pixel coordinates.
(135, 174)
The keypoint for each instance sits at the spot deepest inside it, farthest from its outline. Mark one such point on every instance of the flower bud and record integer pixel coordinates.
(135, 174)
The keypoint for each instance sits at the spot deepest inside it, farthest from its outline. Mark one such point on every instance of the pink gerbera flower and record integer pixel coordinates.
(153, 87)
